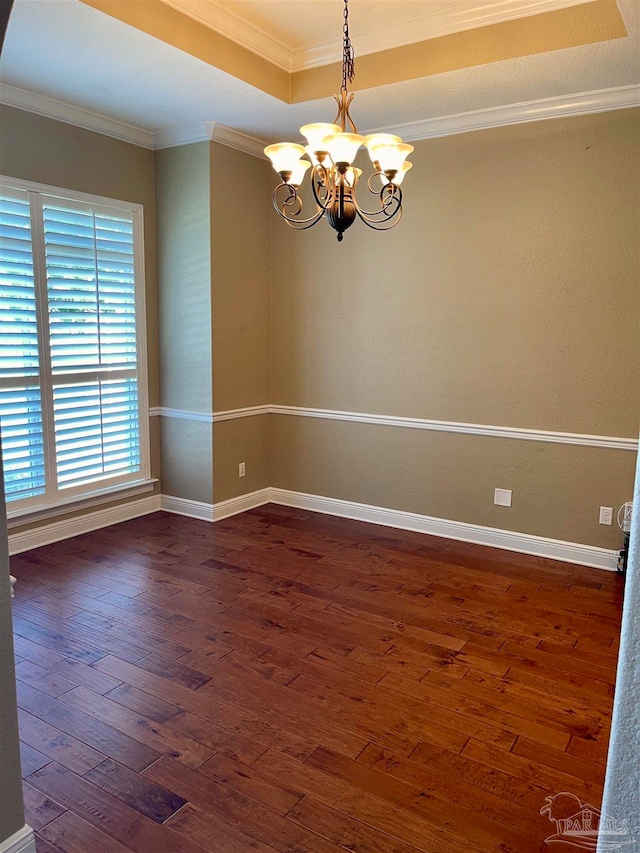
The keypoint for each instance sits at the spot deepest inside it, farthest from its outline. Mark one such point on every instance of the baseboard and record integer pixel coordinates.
(218, 511)
(68, 527)
(22, 841)
(184, 506)
(523, 543)
(233, 506)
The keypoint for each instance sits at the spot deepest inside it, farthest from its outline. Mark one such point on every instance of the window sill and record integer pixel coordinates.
(17, 517)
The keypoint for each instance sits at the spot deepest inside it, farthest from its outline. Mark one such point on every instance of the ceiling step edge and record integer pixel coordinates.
(559, 106)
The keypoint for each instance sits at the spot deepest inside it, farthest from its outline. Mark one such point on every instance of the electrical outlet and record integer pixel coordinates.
(502, 497)
(606, 515)
(242, 470)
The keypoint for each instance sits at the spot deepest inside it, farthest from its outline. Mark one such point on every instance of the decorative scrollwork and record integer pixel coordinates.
(336, 200)
(334, 185)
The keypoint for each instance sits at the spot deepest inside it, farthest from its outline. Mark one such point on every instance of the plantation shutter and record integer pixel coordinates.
(89, 257)
(69, 349)
(21, 421)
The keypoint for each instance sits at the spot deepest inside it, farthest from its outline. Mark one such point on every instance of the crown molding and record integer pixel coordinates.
(43, 105)
(209, 131)
(370, 39)
(428, 25)
(237, 29)
(558, 106)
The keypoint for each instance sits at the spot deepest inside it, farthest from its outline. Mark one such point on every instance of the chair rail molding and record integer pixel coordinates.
(551, 436)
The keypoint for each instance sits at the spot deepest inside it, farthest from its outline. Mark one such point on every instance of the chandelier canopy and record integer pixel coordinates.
(331, 150)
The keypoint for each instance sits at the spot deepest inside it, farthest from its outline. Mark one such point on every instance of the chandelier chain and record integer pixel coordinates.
(348, 57)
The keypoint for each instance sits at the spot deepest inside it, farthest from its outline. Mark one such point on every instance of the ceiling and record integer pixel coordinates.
(296, 34)
(62, 57)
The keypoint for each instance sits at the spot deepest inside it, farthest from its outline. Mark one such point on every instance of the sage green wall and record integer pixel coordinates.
(184, 290)
(241, 316)
(35, 148)
(508, 295)
(11, 807)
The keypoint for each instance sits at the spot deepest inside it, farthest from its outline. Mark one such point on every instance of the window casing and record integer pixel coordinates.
(73, 378)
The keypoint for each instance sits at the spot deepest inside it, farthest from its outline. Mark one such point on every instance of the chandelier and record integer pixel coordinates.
(331, 150)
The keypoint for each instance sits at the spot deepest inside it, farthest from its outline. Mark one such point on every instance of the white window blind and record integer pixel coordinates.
(72, 388)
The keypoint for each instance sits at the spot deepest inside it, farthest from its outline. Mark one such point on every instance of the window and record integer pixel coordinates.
(73, 410)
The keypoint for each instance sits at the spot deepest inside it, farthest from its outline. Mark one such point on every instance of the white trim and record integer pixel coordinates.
(22, 841)
(237, 29)
(233, 506)
(184, 506)
(507, 540)
(248, 412)
(43, 105)
(553, 437)
(66, 528)
(215, 512)
(31, 514)
(428, 25)
(559, 106)
(209, 417)
(181, 414)
(549, 436)
(554, 549)
(209, 131)
(371, 38)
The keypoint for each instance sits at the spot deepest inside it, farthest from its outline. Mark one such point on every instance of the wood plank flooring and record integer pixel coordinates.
(286, 681)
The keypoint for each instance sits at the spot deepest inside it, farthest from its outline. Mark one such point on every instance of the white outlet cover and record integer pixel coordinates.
(502, 497)
(606, 515)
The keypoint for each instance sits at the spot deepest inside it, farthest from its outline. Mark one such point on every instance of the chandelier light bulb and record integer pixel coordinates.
(298, 172)
(375, 140)
(317, 133)
(351, 175)
(343, 147)
(399, 176)
(284, 155)
(391, 157)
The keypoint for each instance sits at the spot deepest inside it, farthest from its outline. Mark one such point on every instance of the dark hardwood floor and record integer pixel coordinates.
(285, 681)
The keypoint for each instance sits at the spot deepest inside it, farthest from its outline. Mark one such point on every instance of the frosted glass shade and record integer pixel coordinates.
(375, 140)
(298, 172)
(284, 155)
(318, 132)
(343, 147)
(351, 175)
(391, 157)
(399, 176)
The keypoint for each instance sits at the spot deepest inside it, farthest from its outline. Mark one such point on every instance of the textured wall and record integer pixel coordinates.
(508, 295)
(622, 787)
(184, 289)
(11, 810)
(241, 316)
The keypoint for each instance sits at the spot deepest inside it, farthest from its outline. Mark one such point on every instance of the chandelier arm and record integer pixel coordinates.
(303, 224)
(382, 226)
(293, 199)
(394, 197)
(323, 202)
